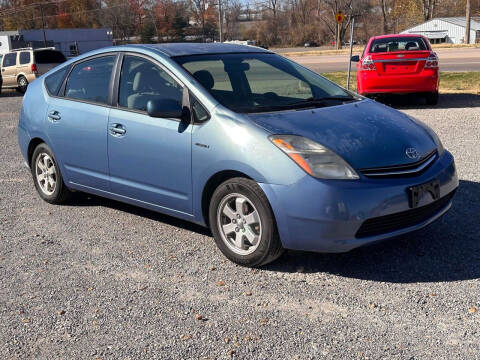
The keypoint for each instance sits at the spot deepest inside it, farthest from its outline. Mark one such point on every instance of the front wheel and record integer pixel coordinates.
(243, 224)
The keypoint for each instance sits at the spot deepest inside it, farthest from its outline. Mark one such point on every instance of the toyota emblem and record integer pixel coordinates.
(412, 153)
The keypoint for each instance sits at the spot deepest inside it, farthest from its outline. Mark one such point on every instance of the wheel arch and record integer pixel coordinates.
(212, 183)
(31, 148)
(19, 75)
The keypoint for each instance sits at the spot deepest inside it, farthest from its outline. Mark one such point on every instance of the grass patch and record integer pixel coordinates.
(450, 82)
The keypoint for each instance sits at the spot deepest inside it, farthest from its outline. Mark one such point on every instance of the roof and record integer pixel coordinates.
(396, 35)
(183, 49)
(8, 33)
(461, 21)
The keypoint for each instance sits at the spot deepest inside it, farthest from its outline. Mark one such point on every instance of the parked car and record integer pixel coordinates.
(267, 153)
(310, 44)
(22, 66)
(398, 64)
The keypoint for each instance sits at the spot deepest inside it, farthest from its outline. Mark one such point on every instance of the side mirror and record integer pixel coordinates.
(165, 108)
(355, 58)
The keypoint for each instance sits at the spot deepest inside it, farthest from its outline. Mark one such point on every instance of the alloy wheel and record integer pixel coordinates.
(239, 224)
(46, 173)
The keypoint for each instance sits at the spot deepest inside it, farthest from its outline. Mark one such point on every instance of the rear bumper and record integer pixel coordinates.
(369, 82)
(325, 216)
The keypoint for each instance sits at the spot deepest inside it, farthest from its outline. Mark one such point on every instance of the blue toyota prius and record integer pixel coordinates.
(267, 153)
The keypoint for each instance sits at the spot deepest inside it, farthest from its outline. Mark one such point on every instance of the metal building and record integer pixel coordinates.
(447, 30)
(70, 42)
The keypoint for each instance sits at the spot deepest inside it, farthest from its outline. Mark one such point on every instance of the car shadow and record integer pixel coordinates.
(83, 199)
(10, 93)
(445, 101)
(448, 250)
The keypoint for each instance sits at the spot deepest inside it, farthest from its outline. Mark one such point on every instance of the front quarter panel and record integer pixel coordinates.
(229, 141)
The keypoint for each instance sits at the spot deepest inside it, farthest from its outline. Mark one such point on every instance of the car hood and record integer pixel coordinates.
(365, 133)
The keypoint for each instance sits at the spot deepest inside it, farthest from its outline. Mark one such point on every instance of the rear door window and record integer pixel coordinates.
(90, 80)
(10, 60)
(24, 57)
(49, 57)
(398, 44)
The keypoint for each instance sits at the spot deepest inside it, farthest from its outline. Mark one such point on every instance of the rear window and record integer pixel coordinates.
(398, 44)
(49, 57)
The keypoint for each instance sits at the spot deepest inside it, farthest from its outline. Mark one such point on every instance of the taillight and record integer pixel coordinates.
(368, 64)
(432, 61)
(34, 68)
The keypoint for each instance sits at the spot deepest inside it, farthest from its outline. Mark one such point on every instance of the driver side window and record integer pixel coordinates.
(141, 80)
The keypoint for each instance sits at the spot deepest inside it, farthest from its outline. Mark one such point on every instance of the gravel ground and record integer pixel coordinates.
(100, 279)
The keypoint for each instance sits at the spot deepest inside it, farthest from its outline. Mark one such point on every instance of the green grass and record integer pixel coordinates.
(450, 82)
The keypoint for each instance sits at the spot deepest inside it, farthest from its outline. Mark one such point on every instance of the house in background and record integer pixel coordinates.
(447, 30)
(70, 42)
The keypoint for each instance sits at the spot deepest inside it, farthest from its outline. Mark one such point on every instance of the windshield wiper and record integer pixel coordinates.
(320, 102)
(306, 103)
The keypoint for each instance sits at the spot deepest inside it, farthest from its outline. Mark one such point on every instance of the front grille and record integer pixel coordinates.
(413, 169)
(388, 223)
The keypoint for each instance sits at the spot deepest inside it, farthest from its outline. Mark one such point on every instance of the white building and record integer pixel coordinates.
(447, 30)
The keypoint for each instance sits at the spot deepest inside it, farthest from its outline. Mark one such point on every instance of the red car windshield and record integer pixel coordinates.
(398, 44)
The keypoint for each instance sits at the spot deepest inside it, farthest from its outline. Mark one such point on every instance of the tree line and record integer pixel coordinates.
(268, 22)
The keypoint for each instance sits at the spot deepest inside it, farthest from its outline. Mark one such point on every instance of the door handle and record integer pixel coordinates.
(117, 130)
(54, 116)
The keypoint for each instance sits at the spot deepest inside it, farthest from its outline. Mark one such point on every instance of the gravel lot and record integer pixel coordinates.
(100, 279)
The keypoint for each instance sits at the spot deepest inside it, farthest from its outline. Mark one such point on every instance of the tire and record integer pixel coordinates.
(47, 176)
(432, 98)
(250, 237)
(22, 84)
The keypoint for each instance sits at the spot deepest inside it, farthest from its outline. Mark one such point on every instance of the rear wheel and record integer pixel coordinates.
(22, 84)
(432, 98)
(47, 176)
(243, 224)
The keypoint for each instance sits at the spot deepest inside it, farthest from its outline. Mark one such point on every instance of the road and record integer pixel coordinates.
(97, 279)
(461, 59)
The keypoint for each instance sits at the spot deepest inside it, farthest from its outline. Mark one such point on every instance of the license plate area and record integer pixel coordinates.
(415, 192)
(400, 67)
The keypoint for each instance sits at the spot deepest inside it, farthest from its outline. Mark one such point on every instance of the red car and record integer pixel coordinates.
(398, 64)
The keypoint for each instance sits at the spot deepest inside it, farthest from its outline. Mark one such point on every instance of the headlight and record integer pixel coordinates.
(314, 158)
(432, 133)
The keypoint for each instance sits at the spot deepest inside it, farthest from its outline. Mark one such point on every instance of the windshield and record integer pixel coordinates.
(258, 82)
(407, 43)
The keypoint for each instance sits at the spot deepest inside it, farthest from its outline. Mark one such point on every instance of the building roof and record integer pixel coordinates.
(183, 49)
(9, 33)
(461, 21)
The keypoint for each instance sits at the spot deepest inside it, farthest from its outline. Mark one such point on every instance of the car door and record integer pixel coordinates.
(24, 66)
(149, 158)
(9, 70)
(77, 122)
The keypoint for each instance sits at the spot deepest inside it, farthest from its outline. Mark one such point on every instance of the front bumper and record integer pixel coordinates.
(369, 82)
(324, 216)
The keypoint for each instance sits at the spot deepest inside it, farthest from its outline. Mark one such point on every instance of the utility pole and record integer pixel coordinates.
(338, 45)
(351, 50)
(467, 23)
(43, 26)
(220, 20)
